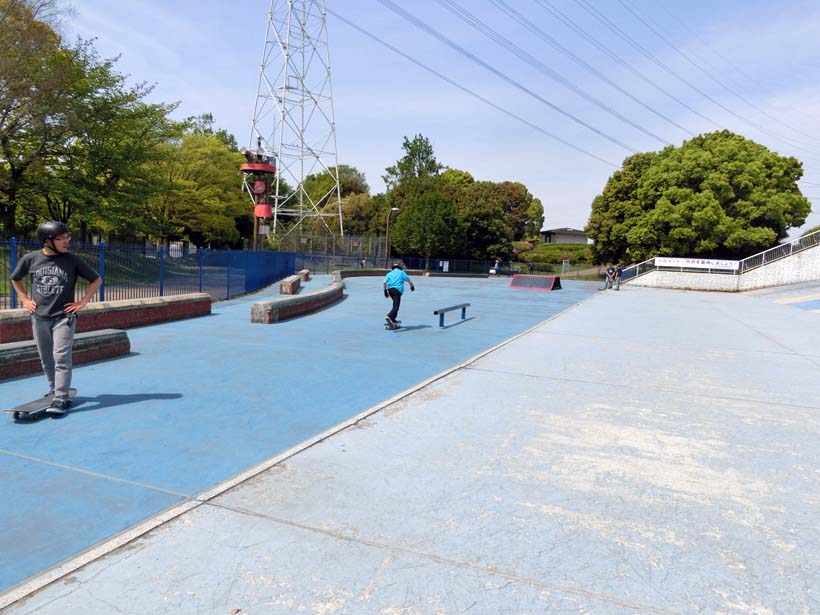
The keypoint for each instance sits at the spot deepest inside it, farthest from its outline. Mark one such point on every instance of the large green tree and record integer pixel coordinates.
(108, 169)
(200, 200)
(418, 161)
(487, 233)
(75, 140)
(36, 80)
(427, 227)
(718, 195)
(321, 187)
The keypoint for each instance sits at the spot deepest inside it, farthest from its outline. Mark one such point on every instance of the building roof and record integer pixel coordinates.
(572, 231)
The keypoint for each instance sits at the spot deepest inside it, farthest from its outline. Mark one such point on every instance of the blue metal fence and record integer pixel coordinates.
(136, 272)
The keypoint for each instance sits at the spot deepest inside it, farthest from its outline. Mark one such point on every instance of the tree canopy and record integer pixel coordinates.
(719, 195)
(428, 227)
(418, 161)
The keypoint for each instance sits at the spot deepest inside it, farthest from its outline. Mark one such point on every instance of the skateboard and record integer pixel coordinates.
(390, 326)
(34, 408)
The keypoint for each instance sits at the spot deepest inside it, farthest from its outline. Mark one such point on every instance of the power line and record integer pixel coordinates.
(494, 35)
(737, 70)
(608, 23)
(468, 91)
(440, 37)
(550, 8)
(532, 27)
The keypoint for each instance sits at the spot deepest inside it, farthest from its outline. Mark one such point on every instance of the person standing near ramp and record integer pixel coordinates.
(54, 271)
(393, 289)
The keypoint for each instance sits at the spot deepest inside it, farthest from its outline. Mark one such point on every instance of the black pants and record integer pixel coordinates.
(395, 295)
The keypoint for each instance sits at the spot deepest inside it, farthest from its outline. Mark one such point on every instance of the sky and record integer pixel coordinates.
(573, 88)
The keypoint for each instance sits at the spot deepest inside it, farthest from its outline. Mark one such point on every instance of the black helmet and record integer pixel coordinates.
(397, 266)
(50, 230)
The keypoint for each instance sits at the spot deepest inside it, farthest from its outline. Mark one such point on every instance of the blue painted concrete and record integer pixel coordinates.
(49, 513)
(808, 305)
(201, 400)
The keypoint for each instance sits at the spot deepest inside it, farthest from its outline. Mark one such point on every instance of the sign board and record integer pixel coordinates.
(445, 266)
(264, 229)
(696, 263)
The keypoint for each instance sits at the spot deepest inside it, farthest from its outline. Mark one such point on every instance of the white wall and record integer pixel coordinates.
(801, 267)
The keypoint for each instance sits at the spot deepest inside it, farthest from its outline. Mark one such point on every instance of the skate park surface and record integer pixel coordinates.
(641, 451)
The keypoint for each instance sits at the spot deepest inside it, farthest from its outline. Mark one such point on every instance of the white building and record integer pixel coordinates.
(563, 235)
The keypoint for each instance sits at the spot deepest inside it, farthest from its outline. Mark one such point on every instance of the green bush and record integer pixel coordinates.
(557, 252)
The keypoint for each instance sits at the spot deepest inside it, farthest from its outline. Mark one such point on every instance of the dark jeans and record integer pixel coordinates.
(395, 295)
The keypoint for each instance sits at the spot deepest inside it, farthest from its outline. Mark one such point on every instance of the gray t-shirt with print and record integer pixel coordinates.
(52, 280)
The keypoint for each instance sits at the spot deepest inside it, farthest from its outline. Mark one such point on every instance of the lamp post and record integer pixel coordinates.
(387, 238)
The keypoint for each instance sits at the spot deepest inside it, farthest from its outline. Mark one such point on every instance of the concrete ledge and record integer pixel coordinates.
(22, 359)
(281, 308)
(290, 285)
(15, 325)
(304, 275)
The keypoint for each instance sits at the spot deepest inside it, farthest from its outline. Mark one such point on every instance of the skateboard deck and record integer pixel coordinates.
(36, 407)
(390, 326)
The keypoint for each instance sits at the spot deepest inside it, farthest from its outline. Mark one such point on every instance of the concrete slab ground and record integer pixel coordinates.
(202, 400)
(646, 451)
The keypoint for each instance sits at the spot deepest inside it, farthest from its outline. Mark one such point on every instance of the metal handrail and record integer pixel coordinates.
(778, 252)
(747, 264)
(633, 271)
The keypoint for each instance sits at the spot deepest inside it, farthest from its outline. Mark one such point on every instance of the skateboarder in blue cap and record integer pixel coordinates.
(393, 289)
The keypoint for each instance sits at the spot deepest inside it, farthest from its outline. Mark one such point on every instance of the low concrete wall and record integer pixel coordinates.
(683, 280)
(801, 267)
(290, 285)
(21, 358)
(15, 325)
(288, 306)
(304, 275)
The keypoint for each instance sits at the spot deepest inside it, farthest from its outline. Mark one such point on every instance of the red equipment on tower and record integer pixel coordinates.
(259, 173)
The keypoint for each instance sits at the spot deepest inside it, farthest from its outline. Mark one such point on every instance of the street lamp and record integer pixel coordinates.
(387, 238)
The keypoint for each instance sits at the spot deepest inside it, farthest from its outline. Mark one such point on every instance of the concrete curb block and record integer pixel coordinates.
(280, 308)
(15, 325)
(22, 359)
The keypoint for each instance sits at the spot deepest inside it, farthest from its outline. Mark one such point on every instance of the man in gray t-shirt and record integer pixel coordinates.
(54, 272)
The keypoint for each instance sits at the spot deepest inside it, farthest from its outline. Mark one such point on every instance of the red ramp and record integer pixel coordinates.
(522, 281)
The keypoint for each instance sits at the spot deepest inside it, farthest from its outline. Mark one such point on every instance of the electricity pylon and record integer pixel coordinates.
(293, 121)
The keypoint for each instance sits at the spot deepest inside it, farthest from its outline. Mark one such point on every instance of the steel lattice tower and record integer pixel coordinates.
(293, 121)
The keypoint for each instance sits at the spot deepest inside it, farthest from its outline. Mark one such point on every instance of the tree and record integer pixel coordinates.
(428, 227)
(419, 161)
(487, 234)
(456, 178)
(204, 125)
(535, 220)
(74, 139)
(320, 187)
(35, 78)
(104, 173)
(718, 195)
(201, 200)
(515, 202)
